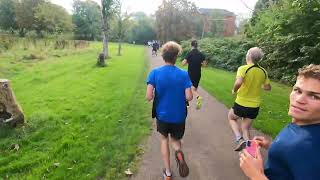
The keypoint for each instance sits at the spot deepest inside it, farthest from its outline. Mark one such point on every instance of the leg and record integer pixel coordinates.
(179, 155)
(245, 126)
(195, 79)
(233, 123)
(176, 144)
(164, 141)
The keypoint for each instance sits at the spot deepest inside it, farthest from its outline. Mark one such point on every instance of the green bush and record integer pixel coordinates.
(227, 53)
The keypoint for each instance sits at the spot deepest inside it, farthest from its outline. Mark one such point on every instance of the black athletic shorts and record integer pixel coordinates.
(176, 131)
(245, 112)
(195, 79)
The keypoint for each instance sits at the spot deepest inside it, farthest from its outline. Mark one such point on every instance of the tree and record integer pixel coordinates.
(142, 28)
(288, 33)
(108, 8)
(260, 6)
(24, 11)
(174, 20)
(51, 18)
(122, 23)
(87, 20)
(7, 15)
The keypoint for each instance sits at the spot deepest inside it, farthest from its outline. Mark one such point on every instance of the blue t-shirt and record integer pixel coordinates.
(295, 154)
(170, 83)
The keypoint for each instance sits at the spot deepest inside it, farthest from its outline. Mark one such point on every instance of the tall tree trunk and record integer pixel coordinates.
(104, 30)
(10, 111)
(119, 47)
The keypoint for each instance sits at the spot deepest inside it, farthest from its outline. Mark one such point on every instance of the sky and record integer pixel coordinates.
(239, 7)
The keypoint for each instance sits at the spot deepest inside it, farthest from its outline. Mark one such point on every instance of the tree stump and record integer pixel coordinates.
(101, 60)
(10, 111)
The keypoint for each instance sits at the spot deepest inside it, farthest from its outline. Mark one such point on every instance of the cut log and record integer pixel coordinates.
(10, 111)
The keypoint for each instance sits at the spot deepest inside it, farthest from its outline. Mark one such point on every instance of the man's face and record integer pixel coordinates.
(305, 101)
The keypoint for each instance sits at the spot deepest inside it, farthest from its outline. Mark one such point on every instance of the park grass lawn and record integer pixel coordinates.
(273, 111)
(83, 122)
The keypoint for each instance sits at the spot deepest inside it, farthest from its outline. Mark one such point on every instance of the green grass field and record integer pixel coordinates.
(83, 122)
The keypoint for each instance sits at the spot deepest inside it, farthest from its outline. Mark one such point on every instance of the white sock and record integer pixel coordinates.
(238, 137)
(168, 173)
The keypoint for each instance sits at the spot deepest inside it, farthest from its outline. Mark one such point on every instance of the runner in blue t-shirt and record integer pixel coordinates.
(294, 153)
(170, 87)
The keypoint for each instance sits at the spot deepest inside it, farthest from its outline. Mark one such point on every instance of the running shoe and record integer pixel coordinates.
(181, 163)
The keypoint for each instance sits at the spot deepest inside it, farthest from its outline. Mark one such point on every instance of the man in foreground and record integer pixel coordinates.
(170, 87)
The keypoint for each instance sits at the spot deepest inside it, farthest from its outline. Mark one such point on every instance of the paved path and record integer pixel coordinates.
(208, 144)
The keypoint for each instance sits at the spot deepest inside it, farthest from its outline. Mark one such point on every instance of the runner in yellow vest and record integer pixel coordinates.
(250, 80)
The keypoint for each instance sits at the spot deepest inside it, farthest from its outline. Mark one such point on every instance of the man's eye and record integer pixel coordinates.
(296, 90)
(315, 97)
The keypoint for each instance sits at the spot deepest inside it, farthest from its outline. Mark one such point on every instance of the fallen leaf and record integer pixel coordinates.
(56, 164)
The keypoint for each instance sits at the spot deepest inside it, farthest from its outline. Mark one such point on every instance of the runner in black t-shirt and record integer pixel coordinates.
(195, 59)
(155, 47)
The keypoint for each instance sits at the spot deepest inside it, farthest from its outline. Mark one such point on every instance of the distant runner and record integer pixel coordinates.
(195, 59)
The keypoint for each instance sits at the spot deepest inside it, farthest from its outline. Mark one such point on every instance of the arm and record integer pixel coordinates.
(189, 95)
(252, 167)
(237, 85)
(204, 63)
(149, 93)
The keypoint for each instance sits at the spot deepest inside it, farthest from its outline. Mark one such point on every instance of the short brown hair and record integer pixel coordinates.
(170, 51)
(310, 71)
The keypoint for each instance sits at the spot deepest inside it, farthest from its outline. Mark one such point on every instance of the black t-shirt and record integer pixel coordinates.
(155, 46)
(195, 59)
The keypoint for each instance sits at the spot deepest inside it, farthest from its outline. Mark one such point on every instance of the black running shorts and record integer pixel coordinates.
(176, 131)
(245, 112)
(195, 79)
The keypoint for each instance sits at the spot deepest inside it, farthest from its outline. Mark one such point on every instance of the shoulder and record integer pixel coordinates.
(263, 68)
(182, 71)
(155, 70)
(243, 67)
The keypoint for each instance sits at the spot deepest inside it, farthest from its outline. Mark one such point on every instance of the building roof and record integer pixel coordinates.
(223, 12)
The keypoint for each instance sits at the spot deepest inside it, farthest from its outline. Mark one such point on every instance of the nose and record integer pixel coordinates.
(301, 98)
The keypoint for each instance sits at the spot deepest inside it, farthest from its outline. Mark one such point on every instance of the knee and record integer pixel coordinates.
(245, 126)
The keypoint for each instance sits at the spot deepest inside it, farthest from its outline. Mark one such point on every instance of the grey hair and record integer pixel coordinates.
(255, 54)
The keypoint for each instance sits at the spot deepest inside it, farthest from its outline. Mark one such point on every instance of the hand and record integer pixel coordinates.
(205, 63)
(232, 91)
(262, 141)
(252, 167)
(184, 62)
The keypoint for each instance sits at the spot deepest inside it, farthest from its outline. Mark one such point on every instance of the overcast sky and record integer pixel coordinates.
(240, 7)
